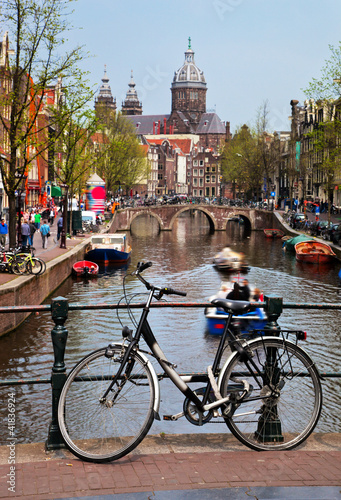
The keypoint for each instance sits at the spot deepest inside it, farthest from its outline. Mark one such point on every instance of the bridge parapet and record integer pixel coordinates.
(218, 216)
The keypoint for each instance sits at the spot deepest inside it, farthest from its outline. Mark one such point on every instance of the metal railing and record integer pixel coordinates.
(59, 307)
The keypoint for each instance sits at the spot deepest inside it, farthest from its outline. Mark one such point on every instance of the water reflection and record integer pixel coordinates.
(181, 259)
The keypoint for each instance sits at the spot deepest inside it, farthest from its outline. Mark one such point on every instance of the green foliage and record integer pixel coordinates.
(121, 162)
(39, 60)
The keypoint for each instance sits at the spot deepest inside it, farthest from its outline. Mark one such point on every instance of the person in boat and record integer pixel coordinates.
(235, 293)
(222, 292)
(245, 290)
(257, 295)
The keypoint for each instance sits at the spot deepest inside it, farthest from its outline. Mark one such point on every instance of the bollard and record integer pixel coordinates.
(59, 310)
(269, 425)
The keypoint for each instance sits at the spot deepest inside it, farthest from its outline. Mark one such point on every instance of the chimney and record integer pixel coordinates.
(165, 126)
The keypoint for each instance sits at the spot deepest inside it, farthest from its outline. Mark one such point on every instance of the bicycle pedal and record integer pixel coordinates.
(173, 417)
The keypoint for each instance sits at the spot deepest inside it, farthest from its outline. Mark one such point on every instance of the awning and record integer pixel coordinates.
(56, 191)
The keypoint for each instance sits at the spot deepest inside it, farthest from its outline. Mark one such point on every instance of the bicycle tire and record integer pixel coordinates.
(275, 423)
(18, 266)
(94, 431)
(35, 266)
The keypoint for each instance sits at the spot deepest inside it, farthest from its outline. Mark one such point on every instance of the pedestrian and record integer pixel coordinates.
(59, 227)
(37, 220)
(45, 233)
(3, 232)
(33, 230)
(51, 218)
(25, 233)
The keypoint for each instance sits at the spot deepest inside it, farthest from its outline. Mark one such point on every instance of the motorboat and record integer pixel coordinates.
(227, 260)
(314, 251)
(242, 324)
(85, 268)
(273, 233)
(109, 249)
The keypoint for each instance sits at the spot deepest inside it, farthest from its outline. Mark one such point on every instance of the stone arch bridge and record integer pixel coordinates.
(218, 216)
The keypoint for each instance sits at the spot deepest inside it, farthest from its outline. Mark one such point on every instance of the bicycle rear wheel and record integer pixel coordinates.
(35, 266)
(280, 419)
(103, 431)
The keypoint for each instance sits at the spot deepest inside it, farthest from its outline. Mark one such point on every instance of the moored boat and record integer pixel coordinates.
(314, 251)
(109, 249)
(273, 233)
(85, 268)
(229, 261)
(289, 244)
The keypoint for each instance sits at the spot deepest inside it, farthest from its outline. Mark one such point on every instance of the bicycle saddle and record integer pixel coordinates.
(236, 306)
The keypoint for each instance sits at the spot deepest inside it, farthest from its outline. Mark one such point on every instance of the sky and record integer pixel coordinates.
(250, 51)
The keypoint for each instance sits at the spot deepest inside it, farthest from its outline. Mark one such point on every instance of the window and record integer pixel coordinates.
(213, 178)
(195, 182)
(201, 172)
(195, 163)
(201, 182)
(160, 166)
(213, 169)
(207, 191)
(207, 178)
(206, 160)
(213, 191)
(195, 171)
(201, 163)
(195, 192)
(207, 169)
(201, 193)
(160, 177)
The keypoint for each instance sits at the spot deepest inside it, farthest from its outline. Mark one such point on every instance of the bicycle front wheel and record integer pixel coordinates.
(101, 431)
(35, 266)
(283, 404)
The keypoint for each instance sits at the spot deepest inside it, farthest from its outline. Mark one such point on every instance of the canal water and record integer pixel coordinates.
(181, 259)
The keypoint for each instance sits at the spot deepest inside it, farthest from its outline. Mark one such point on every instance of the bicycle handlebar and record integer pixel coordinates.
(141, 266)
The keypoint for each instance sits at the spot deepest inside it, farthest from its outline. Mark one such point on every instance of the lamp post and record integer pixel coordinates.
(21, 194)
(64, 188)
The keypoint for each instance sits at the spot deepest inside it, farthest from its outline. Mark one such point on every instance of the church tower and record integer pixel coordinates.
(105, 102)
(131, 105)
(189, 89)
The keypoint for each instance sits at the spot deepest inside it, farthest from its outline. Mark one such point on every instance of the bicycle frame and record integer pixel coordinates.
(145, 331)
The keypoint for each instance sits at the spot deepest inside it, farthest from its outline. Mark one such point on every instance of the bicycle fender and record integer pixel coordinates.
(250, 343)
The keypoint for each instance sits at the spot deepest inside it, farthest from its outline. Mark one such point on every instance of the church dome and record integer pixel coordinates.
(189, 75)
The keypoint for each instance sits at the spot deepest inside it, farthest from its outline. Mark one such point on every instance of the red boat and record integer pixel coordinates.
(314, 251)
(273, 233)
(85, 268)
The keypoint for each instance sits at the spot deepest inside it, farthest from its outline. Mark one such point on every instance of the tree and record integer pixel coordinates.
(36, 29)
(121, 160)
(239, 161)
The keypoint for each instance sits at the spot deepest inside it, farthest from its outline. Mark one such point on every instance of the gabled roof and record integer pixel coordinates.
(185, 146)
(210, 123)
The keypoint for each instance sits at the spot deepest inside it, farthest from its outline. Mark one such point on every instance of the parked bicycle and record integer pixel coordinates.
(27, 263)
(267, 392)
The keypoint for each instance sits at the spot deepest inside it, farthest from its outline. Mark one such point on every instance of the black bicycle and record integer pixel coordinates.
(267, 392)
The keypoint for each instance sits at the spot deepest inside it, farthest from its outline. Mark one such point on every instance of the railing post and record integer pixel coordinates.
(273, 308)
(269, 425)
(59, 310)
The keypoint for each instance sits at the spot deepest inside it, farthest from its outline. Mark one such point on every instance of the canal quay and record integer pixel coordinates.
(173, 458)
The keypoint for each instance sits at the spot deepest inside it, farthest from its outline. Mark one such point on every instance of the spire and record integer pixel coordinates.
(189, 42)
(105, 97)
(131, 105)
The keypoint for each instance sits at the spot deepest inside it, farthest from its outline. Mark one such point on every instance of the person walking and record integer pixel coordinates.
(45, 233)
(33, 230)
(3, 232)
(59, 227)
(25, 233)
(37, 220)
(51, 218)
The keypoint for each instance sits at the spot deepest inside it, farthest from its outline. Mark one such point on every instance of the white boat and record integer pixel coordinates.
(109, 249)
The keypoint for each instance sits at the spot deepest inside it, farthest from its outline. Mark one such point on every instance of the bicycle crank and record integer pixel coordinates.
(193, 414)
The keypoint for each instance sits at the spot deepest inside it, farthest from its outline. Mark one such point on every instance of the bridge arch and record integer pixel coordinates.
(152, 214)
(210, 217)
